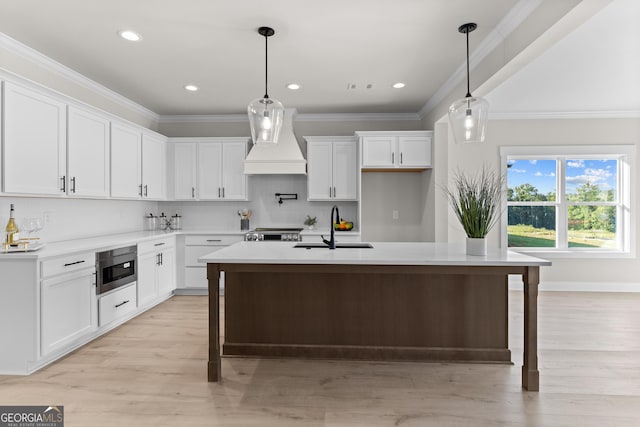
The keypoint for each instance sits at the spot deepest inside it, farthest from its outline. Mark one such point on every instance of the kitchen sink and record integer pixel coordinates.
(353, 245)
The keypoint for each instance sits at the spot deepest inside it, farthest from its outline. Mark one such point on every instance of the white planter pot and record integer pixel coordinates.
(476, 246)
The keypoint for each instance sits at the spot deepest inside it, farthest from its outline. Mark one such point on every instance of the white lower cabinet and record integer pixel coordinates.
(156, 270)
(195, 246)
(68, 308)
(117, 304)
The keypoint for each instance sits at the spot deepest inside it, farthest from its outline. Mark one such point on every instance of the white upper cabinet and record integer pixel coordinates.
(88, 154)
(153, 167)
(234, 181)
(332, 168)
(126, 161)
(185, 158)
(34, 160)
(209, 169)
(396, 150)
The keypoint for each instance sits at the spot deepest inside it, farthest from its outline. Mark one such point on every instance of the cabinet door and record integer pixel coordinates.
(319, 170)
(209, 173)
(126, 161)
(345, 171)
(68, 309)
(415, 151)
(88, 154)
(166, 273)
(234, 181)
(184, 170)
(147, 285)
(34, 142)
(153, 167)
(378, 151)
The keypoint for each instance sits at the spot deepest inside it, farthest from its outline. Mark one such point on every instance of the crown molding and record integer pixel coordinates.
(549, 115)
(49, 64)
(241, 118)
(203, 118)
(509, 22)
(356, 117)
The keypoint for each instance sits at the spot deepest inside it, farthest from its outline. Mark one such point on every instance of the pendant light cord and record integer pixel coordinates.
(468, 90)
(266, 68)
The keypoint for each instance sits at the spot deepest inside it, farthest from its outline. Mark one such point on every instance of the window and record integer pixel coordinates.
(568, 199)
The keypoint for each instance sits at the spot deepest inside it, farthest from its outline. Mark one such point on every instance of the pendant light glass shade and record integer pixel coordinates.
(265, 114)
(468, 116)
(265, 118)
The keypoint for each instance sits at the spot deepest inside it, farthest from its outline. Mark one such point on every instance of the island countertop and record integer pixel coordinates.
(382, 253)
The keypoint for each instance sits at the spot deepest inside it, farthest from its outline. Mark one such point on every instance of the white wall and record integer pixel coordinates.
(78, 218)
(470, 157)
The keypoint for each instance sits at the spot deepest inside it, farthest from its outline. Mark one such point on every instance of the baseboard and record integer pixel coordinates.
(191, 291)
(515, 284)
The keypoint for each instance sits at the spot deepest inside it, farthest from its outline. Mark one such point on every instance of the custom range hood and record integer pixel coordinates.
(284, 157)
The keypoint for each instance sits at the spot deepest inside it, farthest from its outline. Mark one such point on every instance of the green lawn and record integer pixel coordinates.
(524, 236)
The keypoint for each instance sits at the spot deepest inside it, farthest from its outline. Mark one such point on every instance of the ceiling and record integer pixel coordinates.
(325, 46)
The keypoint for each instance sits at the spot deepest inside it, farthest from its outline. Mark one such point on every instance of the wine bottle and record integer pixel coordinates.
(12, 231)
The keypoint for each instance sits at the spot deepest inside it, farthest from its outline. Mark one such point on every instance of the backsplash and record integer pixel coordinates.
(77, 218)
(267, 212)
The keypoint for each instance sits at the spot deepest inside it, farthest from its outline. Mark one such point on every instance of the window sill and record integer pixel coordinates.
(568, 254)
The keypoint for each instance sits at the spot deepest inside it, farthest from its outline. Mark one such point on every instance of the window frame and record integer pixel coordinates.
(625, 203)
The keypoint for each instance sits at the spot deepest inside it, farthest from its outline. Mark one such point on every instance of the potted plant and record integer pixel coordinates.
(310, 222)
(475, 199)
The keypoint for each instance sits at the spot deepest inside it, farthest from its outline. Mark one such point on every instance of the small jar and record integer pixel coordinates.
(151, 222)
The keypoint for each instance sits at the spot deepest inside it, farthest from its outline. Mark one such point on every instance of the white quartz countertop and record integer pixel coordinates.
(106, 242)
(383, 253)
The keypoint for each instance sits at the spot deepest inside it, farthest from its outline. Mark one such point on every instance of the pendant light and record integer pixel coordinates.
(468, 116)
(265, 114)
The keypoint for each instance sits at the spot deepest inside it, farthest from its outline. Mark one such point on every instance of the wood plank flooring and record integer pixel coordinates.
(152, 372)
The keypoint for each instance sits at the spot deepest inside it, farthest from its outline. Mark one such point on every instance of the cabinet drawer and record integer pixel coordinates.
(156, 245)
(212, 240)
(192, 253)
(67, 264)
(117, 304)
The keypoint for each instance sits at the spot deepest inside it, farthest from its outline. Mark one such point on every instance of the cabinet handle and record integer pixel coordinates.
(157, 259)
(161, 258)
(193, 192)
(401, 157)
(214, 240)
(140, 190)
(73, 263)
(159, 244)
(393, 157)
(64, 183)
(73, 184)
(219, 192)
(329, 191)
(121, 304)
(334, 192)
(145, 190)
(223, 192)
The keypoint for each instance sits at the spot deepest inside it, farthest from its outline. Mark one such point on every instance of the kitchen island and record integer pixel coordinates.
(395, 301)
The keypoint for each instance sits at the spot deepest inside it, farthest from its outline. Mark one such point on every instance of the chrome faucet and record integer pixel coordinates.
(332, 242)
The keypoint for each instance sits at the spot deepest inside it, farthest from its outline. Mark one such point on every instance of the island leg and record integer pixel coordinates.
(214, 367)
(530, 373)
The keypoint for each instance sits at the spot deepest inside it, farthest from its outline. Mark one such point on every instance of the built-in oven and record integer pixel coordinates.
(116, 268)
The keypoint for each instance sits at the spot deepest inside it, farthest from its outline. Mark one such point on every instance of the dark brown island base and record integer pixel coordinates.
(397, 301)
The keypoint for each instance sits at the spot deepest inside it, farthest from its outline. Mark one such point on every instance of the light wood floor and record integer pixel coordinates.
(152, 372)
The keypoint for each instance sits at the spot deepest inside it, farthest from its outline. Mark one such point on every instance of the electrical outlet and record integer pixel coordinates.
(394, 214)
(46, 217)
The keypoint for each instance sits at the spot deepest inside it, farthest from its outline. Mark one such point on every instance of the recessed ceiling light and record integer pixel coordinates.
(398, 85)
(132, 36)
(191, 88)
(293, 86)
